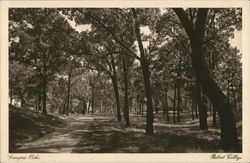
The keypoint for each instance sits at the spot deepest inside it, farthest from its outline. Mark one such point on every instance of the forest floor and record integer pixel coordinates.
(103, 134)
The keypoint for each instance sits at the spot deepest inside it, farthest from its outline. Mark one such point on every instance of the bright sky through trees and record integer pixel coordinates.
(235, 42)
(158, 67)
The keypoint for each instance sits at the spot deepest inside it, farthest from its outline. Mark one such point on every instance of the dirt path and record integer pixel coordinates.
(97, 134)
(63, 140)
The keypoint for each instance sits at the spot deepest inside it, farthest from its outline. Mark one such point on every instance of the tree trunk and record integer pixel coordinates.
(196, 103)
(210, 107)
(166, 109)
(44, 94)
(186, 99)
(137, 111)
(146, 77)
(178, 102)
(147, 87)
(192, 109)
(105, 108)
(196, 108)
(228, 90)
(101, 107)
(213, 61)
(68, 93)
(89, 106)
(84, 107)
(202, 109)
(126, 106)
(142, 108)
(21, 97)
(113, 110)
(11, 91)
(64, 105)
(92, 105)
(225, 112)
(156, 105)
(229, 138)
(214, 117)
(235, 103)
(164, 104)
(115, 87)
(174, 107)
(39, 102)
(116, 90)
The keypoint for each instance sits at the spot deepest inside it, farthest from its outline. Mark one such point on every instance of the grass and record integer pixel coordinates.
(26, 125)
(113, 137)
(78, 133)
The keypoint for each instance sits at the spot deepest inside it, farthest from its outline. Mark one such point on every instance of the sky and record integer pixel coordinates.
(79, 28)
(235, 42)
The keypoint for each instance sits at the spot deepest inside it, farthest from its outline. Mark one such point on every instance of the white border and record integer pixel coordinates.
(174, 157)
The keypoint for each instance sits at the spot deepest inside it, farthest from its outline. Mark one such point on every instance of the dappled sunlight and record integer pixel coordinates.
(174, 125)
(113, 129)
(113, 137)
(102, 135)
(132, 129)
(121, 80)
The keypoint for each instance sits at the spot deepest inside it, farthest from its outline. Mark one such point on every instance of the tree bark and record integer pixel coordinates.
(116, 90)
(39, 102)
(84, 107)
(156, 105)
(89, 106)
(164, 105)
(214, 117)
(234, 98)
(166, 109)
(142, 108)
(186, 99)
(126, 106)
(147, 88)
(192, 109)
(228, 139)
(228, 90)
(21, 97)
(68, 93)
(92, 105)
(174, 107)
(11, 91)
(64, 105)
(202, 109)
(178, 102)
(210, 107)
(44, 94)
(196, 104)
(105, 108)
(146, 77)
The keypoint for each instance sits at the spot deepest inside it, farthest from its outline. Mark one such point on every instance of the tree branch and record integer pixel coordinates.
(125, 54)
(114, 36)
(187, 24)
(201, 23)
(214, 34)
(178, 40)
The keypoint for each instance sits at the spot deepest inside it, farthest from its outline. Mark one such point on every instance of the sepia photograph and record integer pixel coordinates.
(123, 80)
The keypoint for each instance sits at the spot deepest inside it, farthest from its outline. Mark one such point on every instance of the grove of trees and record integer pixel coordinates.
(170, 62)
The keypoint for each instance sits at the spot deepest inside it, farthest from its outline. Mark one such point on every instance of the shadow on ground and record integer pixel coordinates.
(30, 132)
(26, 125)
(112, 137)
